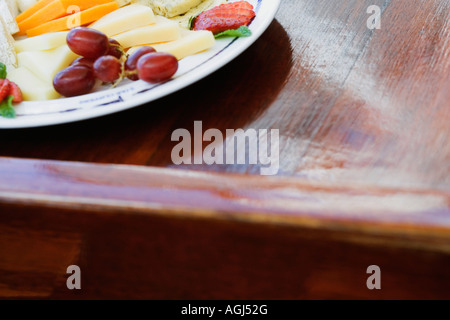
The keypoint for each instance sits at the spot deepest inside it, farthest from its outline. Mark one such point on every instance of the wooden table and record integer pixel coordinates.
(363, 117)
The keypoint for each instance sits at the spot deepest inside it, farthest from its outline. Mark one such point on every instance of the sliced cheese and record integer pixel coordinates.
(172, 8)
(46, 64)
(33, 88)
(163, 31)
(190, 43)
(8, 18)
(46, 41)
(75, 20)
(7, 52)
(125, 19)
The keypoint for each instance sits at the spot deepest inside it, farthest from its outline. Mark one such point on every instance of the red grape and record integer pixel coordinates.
(107, 68)
(74, 81)
(157, 67)
(115, 49)
(88, 43)
(83, 62)
(131, 63)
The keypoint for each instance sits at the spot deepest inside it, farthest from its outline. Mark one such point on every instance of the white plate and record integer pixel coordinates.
(131, 94)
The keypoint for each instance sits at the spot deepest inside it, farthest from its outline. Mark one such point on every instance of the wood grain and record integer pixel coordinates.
(126, 256)
(364, 176)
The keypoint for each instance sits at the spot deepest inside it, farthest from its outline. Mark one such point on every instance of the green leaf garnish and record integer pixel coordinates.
(7, 109)
(243, 31)
(2, 71)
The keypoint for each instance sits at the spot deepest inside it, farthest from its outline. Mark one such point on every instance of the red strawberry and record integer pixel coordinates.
(15, 92)
(4, 88)
(225, 17)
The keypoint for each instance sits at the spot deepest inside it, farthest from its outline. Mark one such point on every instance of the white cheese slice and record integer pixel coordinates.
(190, 43)
(163, 31)
(33, 88)
(46, 64)
(8, 18)
(124, 19)
(46, 41)
(7, 52)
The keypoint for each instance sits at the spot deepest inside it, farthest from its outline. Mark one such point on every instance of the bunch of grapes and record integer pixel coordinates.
(104, 59)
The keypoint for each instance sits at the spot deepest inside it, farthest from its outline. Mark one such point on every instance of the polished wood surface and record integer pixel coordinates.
(364, 176)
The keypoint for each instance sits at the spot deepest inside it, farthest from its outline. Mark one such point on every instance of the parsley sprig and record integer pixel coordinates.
(243, 31)
(7, 109)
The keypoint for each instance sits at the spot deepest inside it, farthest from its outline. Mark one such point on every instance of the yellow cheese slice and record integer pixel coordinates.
(124, 19)
(163, 31)
(190, 43)
(33, 88)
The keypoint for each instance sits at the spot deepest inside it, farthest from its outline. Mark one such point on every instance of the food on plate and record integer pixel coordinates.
(54, 48)
(133, 58)
(8, 17)
(55, 10)
(184, 19)
(7, 53)
(163, 30)
(47, 41)
(172, 8)
(33, 88)
(87, 42)
(81, 61)
(74, 81)
(13, 7)
(23, 5)
(38, 5)
(225, 17)
(125, 19)
(115, 49)
(189, 43)
(9, 88)
(80, 77)
(107, 69)
(157, 67)
(46, 64)
(76, 19)
(9, 93)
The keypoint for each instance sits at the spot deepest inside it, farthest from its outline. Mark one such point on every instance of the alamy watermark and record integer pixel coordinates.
(251, 147)
(74, 280)
(374, 21)
(374, 281)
